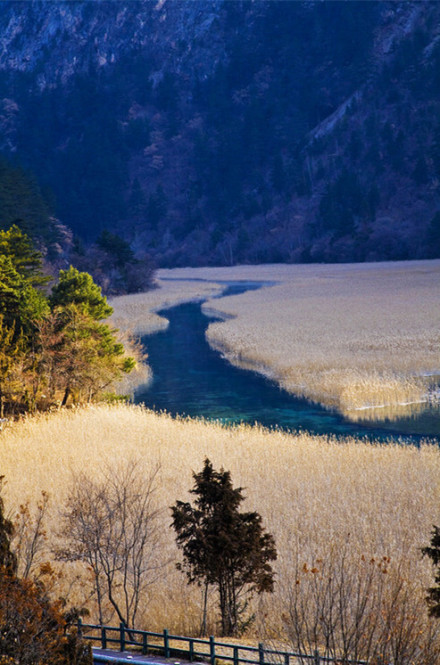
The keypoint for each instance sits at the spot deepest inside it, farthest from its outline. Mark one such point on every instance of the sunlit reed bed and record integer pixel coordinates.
(358, 338)
(138, 312)
(315, 495)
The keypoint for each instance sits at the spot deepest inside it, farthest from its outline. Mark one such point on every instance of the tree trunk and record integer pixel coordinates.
(66, 396)
(205, 604)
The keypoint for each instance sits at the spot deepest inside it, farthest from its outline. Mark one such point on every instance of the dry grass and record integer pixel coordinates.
(361, 338)
(137, 313)
(354, 337)
(313, 493)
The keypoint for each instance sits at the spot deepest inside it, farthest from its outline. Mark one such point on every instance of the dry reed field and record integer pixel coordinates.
(362, 338)
(138, 312)
(322, 499)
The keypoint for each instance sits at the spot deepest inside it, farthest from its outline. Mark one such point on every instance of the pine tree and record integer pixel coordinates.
(87, 354)
(27, 261)
(78, 288)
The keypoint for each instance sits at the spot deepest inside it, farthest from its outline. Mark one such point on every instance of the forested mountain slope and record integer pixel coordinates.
(221, 132)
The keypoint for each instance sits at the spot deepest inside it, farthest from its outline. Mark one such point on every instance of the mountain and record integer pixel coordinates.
(210, 131)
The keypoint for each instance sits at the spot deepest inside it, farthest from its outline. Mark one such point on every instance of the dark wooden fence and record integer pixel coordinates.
(196, 649)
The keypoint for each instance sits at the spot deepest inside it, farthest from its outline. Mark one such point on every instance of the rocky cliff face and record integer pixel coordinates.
(55, 41)
(215, 131)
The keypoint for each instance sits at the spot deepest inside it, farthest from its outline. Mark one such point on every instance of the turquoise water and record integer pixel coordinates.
(191, 379)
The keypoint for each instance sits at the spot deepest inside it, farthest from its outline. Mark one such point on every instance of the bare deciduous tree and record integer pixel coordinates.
(111, 525)
(353, 607)
(30, 539)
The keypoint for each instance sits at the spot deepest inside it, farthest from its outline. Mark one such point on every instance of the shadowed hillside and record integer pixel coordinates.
(223, 132)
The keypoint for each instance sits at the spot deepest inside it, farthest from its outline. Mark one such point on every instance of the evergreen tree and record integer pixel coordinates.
(116, 247)
(27, 261)
(222, 546)
(433, 552)
(22, 204)
(20, 302)
(78, 288)
(79, 355)
(12, 354)
(57, 343)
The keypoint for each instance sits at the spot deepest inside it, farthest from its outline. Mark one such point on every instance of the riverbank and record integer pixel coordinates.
(361, 338)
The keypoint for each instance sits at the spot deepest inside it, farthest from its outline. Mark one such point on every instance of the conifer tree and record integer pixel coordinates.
(86, 352)
(27, 261)
(59, 344)
(222, 546)
(433, 552)
(78, 288)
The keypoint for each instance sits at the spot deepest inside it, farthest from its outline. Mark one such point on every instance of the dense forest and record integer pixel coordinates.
(224, 132)
(110, 259)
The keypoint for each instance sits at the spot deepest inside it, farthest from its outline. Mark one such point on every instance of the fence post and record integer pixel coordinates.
(286, 659)
(191, 650)
(79, 627)
(166, 644)
(122, 636)
(316, 658)
(212, 649)
(103, 638)
(144, 643)
(235, 655)
(261, 653)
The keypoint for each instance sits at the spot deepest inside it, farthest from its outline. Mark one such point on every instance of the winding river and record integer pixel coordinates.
(191, 379)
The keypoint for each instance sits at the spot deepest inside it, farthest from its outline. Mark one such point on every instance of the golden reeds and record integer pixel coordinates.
(359, 338)
(314, 493)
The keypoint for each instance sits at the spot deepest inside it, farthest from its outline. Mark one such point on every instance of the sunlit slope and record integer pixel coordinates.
(314, 494)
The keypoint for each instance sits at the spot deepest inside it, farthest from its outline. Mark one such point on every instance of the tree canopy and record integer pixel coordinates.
(52, 347)
(222, 546)
(433, 552)
(78, 288)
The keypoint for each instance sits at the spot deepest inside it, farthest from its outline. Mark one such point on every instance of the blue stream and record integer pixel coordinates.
(191, 379)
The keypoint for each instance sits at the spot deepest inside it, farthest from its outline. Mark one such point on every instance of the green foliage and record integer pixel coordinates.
(222, 546)
(27, 261)
(20, 302)
(78, 288)
(79, 355)
(22, 204)
(118, 248)
(56, 345)
(12, 354)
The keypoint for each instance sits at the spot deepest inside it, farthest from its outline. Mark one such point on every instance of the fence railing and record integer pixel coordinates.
(197, 649)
